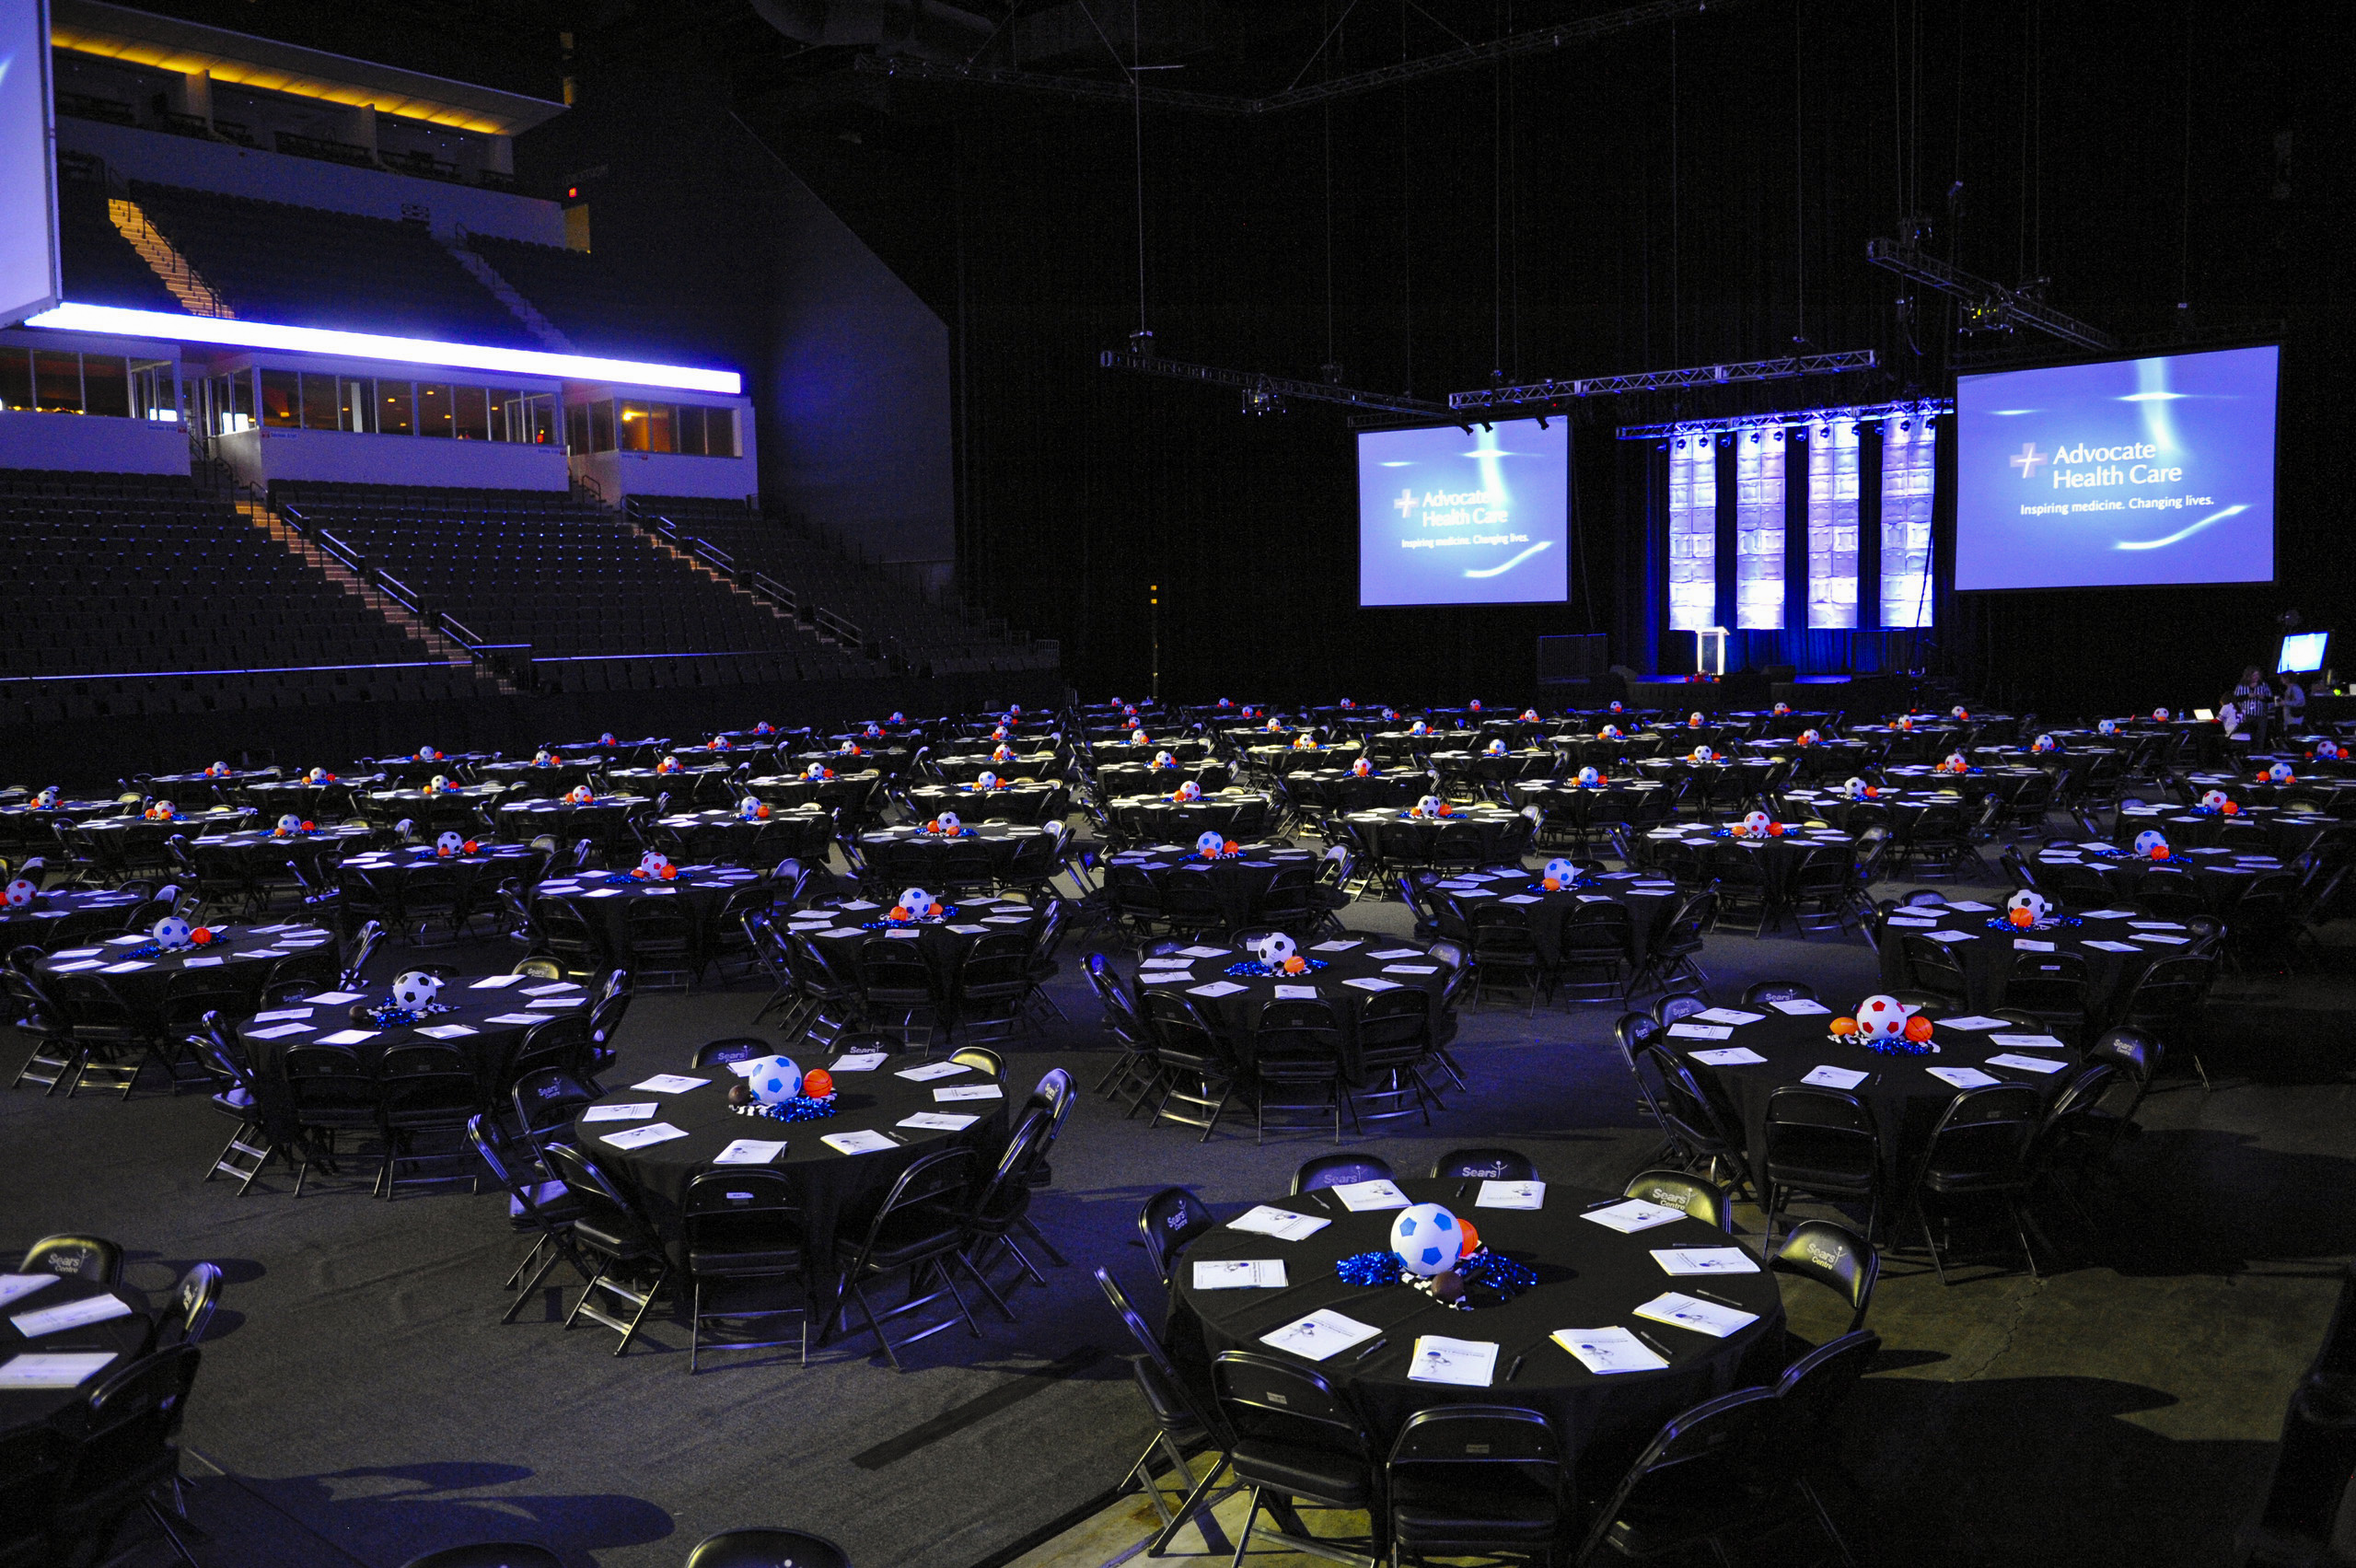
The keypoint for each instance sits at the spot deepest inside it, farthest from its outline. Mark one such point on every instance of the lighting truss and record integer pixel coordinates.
(1537, 41)
(1990, 304)
(1796, 419)
(1264, 387)
(1666, 380)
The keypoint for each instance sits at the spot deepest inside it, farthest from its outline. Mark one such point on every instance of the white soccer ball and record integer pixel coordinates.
(1189, 791)
(987, 781)
(2107, 726)
(2214, 799)
(1810, 737)
(1274, 948)
(1955, 762)
(20, 892)
(2029, 898)
(1853, 788)
(1609, 732)
(2160, 715)
(2327, 750)
(1756, 823)
(539, 759)
(1427, 1239)
(2042, 743)
(917, 902)
(1880, 1018)
(773, 1080)
(170, 932)
(1496, 748)
(1693, 721)
(1137, 737)
(949, 823)
(1210, 842)
(1561, 872)
(2152, 844)
(580, 795)
(437, 783)
(750, 809)
(1362, 768)
(1428, 806)
(816, 770)
(449, 844)
(315, 775)
(1589, 778)
(654, 862)
(1419, 728)
(1958, 712)
(1701, 753)
(1163, 759)
(415, 988)
(2281, 772)
(290, 823)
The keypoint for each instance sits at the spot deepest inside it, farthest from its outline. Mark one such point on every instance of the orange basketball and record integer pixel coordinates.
(818, 1082)
(1918, 1028)
(1471, 1238)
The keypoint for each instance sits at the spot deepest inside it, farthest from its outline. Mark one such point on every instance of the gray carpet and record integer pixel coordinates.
(359, 1403)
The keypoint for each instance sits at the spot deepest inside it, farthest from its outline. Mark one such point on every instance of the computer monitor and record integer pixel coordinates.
(2303, 653)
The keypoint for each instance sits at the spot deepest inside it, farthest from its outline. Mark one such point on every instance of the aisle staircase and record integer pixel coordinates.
(167, 264)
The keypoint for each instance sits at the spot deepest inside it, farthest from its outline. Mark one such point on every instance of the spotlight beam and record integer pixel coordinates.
(1537, 41)
(1993, 301)
(1279, 386)
(1666, 380)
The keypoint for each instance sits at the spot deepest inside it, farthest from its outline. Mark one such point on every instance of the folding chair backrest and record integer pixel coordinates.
(1702, 1200)
(1167, 1220)
(1336, 1170)
(1835, 1257)
(1263, 1396)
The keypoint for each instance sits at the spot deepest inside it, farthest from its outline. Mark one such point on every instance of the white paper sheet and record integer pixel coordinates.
(1263, 1219)
(71, 1315)
(1205, 952)
(1734, 1016)
(862, 1142)
(1336, 946)
(2107, 914)
(1469, 1363)
(1705, 1261)
(1215, 988)
(1963, 1077)
(16, 1287)
(1363, 1197)
(1831, 1078)
(2026, 1041)
(1951, 936)
(2156, 937)
(1371, 983)
(1730, 1056)
(1633, 1215)
(349, 1037)
(1609, 1349)
(1702, 1316)
(57, 1370)
(639, 1137)
(496, 981)
(932, 1070)
(2031, 945)
(2027, 1064)
(938, 1121)
(448, 1031)
(1686, 1029)
(516, 1018)
(1296, 994)
(750, 1151)
(1511, 1195)
(280, 1015)
(280, 1031)
(1399, 953)
(956, 1093)
(1801, 1008)
(636, 1110)
(670, 1084)
(1239, 1273)
(2114, 946)
(129, 966)
(1319, 1335)
(859, 1061)
(1972, 1021)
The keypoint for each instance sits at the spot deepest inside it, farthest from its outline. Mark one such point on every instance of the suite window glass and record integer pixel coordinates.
(434, 409)
(281, 400)
(396, 408)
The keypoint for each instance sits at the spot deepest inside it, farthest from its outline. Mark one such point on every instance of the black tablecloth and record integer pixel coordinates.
(124, 1337)
(1109, 753)
(803, 833)
(1236, 1012)
(523, 820)
(835, 1188)
(1589, 1277)
(1142, 778)
(202, 789)
(1986, 960)
(240, 959)
(908, 856)
(604, 897)
(941, 942)
(1236, 813)
(542, 777)
(471, 1006)
(1404, 840)
(52, 918)
(261, 851)
(1240, 883)
(844, 791)
(1648, 902)
(965, 768)
(303, 798)
(2219, 875)
(1903, 1097)
(1032, 804)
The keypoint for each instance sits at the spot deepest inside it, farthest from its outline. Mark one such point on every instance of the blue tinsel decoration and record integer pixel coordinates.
(1497, 1272)
(389, 1016)
(1370, 1269)
(1900, 1046)
(1998, 922)
(947, 912)
(1252, 969)
(801, 1108)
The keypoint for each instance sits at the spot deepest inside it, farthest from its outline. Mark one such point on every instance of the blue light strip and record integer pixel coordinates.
(370, 345)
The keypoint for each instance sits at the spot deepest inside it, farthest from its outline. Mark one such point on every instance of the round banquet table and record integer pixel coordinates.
(1024, 765)
(1232, 1006)
(2335, 793)
(454, 800)
(301, 797)
(1282, 761)
(258, 851)
(1900, 1092)
(473, 1007)
(803, 833)
(123, 834)
(887, 759)
(2252, 829)
(1648, 902)
(1404, 840)
(524, 821)
(1616, 799)
(1590, 1277)
(1142, 778)
(1902, 807)
(1240, 884)
(417, 770)
(1782, 855)
(1986, 960)
(33, 821)
(243, 958)
(50, 918)
(1107, 754)
(844, 791)
(908, 855)
(122, 1338)
(1533, 762)
(679, 783)
(569, 769)
(2005, 782)
(839, 928)
(203, 789)
(603, 898)
(1338, 789)
(2218, 875)
(388, 871)
(1729, 779)
(1030, 803)
(1234, 812)
(834, 1188)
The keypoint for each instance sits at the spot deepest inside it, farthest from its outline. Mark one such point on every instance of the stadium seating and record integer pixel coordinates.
(100, 266)
(581, 298)
(307, 267)
(602, 606)
(181, 604)
(921, 636)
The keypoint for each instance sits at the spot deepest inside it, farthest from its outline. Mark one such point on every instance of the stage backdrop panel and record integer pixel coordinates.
(1450, 518)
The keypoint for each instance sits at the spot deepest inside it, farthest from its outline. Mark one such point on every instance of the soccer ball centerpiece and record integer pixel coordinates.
(1215, 846)
(2028, 909)
(775, 1087)
(915, 905)
(1496, 748)
(2152, 844)
(447, 844)
(1858, 789)
(1187, 793)
(987, 781)
(1561, 876)
(2280, 773)
(752, 808)
(2044, 743)
(1419, 728)
(2216, 802)
(1757, 825)
(1955, 764)
(172, 935)
(818, 773)
(288, 826)
(1431, 805)
(1434, 1251)
(1364, 768)
(1274, 954)
(1810, 737)
(1590, 778)
(20, 893)
(580, 795)
(944, 826)
(162, 811)
(1883, 1024)
(653, 866)
(1703, 754)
